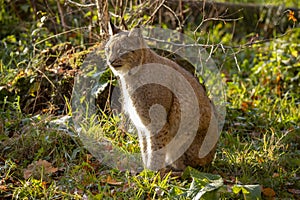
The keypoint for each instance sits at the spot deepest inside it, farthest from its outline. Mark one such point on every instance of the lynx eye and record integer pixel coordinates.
(126, 53)
(117, 63)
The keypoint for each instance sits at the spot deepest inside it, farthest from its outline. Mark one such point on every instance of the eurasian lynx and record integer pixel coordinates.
(127, 54)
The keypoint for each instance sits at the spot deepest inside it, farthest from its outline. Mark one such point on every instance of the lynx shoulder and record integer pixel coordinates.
(159, 95)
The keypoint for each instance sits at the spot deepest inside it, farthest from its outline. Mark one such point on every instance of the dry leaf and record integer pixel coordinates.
(244, 106)
(275, 175)
(294, 191)
(112, 181)
(268, 192)
(3, 188)
(39, 166)
(44, 184)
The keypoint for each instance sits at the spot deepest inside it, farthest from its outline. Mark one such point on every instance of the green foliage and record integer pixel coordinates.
(33, 189)
(259, 148)
(248, 191)
(292, 3)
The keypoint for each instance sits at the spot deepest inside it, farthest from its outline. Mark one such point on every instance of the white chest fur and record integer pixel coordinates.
(143, 132)
(129, 107)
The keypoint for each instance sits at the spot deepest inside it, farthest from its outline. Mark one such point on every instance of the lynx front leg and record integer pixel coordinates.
(152, 103)
(143, 147)
(153, 157)
(157, 152)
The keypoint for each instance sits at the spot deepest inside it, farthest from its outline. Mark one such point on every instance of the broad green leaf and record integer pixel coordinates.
(204, 185)
(193, 173)
(250, 192)
(236, 189)
(254, 192)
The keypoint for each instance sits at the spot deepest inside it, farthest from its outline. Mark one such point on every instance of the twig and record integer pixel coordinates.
(235, 59)
(216, 19)
(103, 17)
(186, 45)
(174, 14)
(219, 45)
(62, 33)
(61, 13)
(80, 5)
(155, 11)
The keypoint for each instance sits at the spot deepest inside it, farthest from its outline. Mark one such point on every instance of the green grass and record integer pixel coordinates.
(259, 144)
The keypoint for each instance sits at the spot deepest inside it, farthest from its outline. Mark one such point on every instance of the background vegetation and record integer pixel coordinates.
(43, 44)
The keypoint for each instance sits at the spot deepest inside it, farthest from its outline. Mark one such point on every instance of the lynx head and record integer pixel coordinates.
(125, 50)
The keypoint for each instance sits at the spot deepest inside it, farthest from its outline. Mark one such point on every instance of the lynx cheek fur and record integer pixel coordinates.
(126, 53)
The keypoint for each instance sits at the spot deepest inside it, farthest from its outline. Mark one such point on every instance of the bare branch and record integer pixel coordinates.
(103, 17)
(174, 14)
(61, 13)
(219, 45)
(80, 5)
(56, 35)
(155, 11)
(216, 19)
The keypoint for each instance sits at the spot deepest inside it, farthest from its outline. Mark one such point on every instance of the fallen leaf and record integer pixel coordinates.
(3, 188)
(37, 166)
(112, 181)
(275, 175)
(48, 168)
(44, 184)
(268, 192)
(244, 106)
(27, 173)
(294, 191)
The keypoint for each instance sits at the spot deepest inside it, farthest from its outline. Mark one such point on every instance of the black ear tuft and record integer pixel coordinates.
(112, 29)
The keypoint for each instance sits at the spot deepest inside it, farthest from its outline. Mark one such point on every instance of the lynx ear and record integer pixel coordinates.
(112, 29)
(136, 32)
